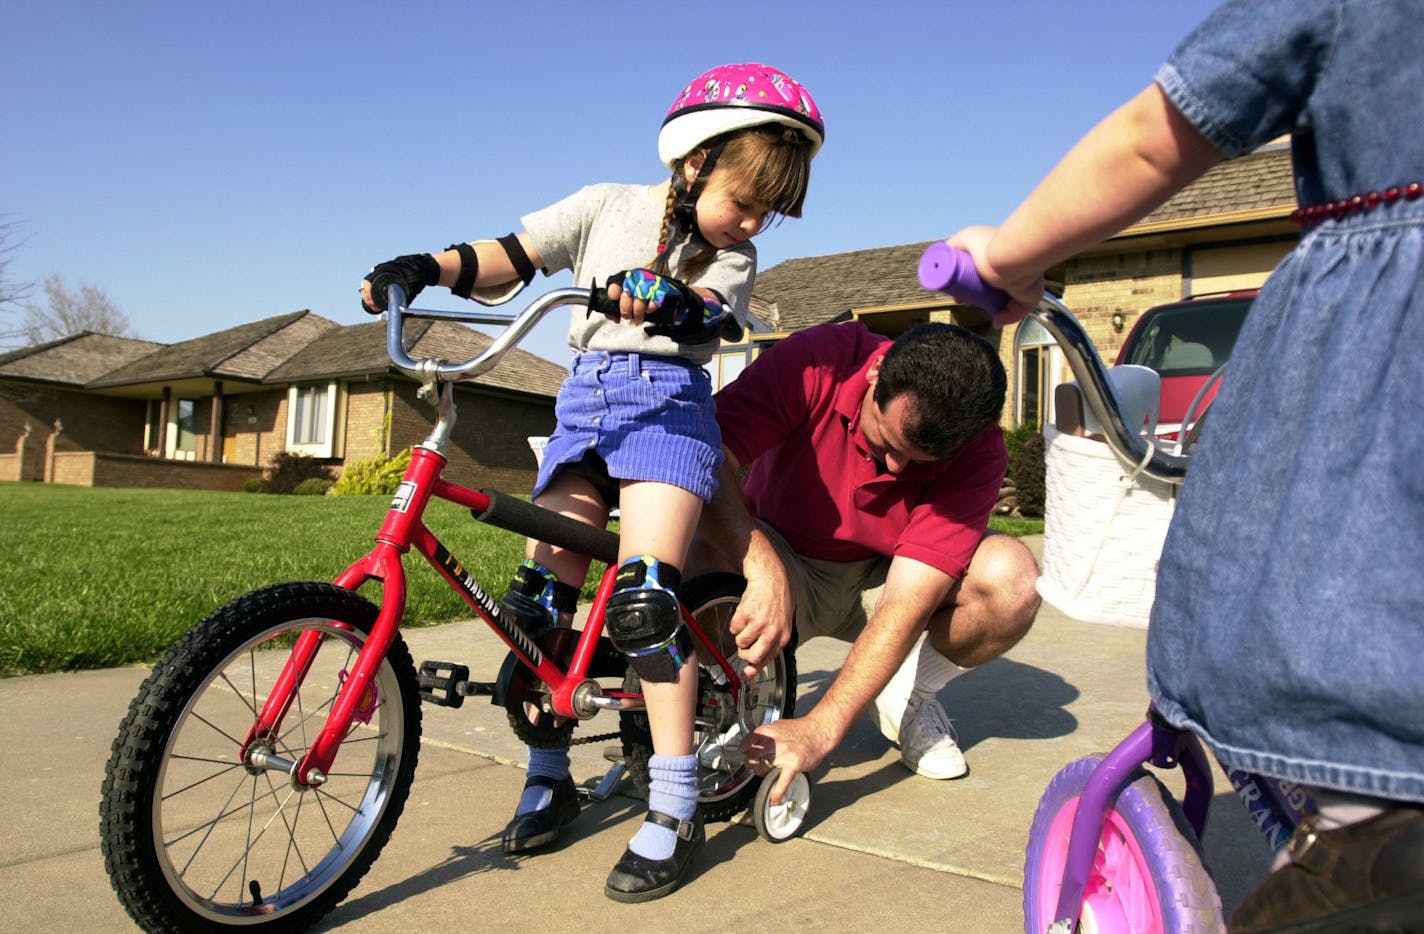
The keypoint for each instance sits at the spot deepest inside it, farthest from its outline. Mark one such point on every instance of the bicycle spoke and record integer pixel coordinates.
(226, 768)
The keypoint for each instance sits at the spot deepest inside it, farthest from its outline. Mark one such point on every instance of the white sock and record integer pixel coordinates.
(924, 671)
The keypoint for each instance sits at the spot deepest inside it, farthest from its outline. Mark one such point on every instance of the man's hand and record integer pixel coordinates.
(794, 745)
(762, 623)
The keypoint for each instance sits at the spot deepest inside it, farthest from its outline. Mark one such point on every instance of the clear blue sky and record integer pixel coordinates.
(208, 164)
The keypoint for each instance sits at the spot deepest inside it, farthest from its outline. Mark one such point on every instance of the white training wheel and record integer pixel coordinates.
(781, 821)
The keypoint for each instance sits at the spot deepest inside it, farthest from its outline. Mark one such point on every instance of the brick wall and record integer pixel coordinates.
(91, 422)
(261, 426)
(489, 447)
(87, 468)
(366, 419)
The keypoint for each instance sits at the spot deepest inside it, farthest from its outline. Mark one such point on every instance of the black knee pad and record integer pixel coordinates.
(645, 620)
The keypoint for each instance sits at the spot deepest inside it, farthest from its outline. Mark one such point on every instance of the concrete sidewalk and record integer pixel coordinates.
(881, 847)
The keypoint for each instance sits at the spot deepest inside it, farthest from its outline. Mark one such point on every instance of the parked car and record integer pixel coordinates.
(1186, 342)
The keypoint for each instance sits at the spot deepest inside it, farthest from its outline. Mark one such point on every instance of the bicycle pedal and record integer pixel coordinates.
(439, 683)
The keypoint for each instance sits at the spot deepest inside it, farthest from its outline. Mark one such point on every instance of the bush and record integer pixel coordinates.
(1014, 439)
(288, 470)
(252, 486)
(313, 486)
(371, 475)
(1026, 467)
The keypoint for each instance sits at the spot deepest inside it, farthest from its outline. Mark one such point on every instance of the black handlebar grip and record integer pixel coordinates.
(600, 304)
(516, 515)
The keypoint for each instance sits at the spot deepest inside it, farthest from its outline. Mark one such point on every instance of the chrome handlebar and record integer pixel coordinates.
(1092, 376)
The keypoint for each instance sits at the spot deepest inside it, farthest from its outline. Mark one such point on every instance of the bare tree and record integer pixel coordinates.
(69, 312)
(12, 293)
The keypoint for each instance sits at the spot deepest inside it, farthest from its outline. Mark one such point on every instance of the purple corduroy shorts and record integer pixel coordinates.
(647, 418)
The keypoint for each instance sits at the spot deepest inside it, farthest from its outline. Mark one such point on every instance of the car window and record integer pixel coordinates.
(1191, 339)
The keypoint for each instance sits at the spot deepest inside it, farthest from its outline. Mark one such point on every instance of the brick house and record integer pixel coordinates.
(1225, 232)
(209, 413)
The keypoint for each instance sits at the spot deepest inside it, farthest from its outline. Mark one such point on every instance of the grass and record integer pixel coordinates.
(97, 578)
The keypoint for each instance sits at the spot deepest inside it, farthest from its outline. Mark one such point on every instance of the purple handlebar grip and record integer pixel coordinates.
(946, 269)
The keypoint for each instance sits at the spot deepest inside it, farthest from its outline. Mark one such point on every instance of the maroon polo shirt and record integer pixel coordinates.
(794, 416)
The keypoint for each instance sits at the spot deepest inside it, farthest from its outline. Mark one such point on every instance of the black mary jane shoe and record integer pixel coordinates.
(540, 828)
(639, 879)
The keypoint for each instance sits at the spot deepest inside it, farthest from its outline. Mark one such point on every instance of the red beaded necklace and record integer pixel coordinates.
(1329, 210)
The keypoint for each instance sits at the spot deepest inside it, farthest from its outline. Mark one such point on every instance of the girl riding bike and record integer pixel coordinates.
(1289, 621)
(636, 427)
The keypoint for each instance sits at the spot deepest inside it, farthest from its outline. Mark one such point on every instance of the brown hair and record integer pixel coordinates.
(773, 164)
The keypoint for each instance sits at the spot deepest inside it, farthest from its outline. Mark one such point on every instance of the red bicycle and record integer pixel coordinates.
(264, 763)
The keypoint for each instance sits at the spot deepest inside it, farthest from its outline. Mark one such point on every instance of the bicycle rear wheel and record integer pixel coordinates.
(1147, 877)
(726, 784)
(196, 839)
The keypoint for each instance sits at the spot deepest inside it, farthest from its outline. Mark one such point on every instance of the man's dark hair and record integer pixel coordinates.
(956, 384)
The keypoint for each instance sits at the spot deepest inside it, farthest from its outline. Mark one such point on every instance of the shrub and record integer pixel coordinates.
(287, 470)
(1014, 439)
(370, 475)
(1026, 467)
(252, 486)
(314, 486)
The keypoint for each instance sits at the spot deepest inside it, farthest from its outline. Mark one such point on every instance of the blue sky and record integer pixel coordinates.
(207, 164)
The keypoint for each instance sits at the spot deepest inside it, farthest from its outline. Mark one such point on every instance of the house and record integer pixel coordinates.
(1224, 232)
(209, 413)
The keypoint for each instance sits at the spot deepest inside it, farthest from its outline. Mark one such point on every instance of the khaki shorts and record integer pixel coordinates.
(833, 598)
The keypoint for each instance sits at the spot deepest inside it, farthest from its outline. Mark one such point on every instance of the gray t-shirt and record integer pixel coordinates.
(608, 228)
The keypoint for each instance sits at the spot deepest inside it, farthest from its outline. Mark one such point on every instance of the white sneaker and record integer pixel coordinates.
(927, 743)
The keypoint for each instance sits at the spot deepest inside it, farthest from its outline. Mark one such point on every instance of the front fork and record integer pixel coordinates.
(1164, 746)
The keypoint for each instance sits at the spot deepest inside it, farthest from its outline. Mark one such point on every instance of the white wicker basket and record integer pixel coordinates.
(1102, 532)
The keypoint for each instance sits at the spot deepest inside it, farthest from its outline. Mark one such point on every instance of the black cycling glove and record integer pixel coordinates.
(412, 273)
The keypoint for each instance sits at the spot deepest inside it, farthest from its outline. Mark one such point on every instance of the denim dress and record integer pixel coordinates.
(1288, 629)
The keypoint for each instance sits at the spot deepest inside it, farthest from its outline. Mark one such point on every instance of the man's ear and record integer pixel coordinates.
(873, 374)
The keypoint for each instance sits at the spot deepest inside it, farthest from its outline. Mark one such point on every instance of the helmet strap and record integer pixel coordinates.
(684, 210)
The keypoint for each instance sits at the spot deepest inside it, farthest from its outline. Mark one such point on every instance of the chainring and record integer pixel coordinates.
(519, 687)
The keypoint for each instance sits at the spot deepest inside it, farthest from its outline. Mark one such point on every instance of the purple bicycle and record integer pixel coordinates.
(1111, 849)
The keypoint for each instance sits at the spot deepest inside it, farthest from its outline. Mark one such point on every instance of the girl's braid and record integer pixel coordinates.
(659, 264)
(694, 265)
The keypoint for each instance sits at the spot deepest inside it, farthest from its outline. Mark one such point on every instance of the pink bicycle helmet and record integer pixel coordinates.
(732, 97)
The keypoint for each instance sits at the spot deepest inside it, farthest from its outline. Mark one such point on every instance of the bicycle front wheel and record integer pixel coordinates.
(195, 838)
(1147, 875)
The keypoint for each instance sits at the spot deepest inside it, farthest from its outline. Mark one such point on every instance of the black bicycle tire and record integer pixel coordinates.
(138, 755)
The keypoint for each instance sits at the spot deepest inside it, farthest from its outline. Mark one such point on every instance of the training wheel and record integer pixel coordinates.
(781, 822)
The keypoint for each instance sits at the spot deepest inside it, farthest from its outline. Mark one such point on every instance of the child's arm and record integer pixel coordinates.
(463, 268)
(1131, 162)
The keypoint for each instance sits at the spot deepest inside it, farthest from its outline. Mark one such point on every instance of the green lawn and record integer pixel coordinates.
(95, 578)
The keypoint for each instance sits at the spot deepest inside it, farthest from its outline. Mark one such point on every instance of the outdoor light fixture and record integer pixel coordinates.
(1117, 321)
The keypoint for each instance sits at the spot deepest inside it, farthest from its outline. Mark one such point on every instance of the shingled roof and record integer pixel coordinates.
(1261, 179)
(799, 293)
(361, 349)
(246, 352)
(74, 360)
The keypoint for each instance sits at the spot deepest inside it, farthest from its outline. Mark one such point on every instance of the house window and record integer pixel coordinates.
(728, 365)
(1039, 362)
(186, 444)
(311, 419)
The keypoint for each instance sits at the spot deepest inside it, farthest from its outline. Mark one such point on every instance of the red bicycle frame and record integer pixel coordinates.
(402, 530)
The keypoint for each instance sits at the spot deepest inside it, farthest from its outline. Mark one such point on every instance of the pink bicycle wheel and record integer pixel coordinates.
(1147, 875)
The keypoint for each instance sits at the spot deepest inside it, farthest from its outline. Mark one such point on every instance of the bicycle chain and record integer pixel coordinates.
(602, 737)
